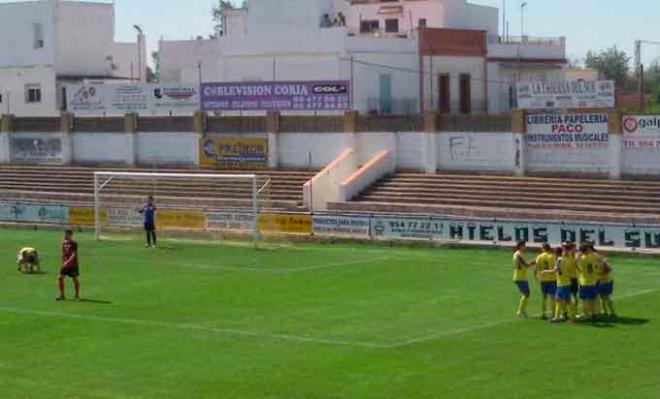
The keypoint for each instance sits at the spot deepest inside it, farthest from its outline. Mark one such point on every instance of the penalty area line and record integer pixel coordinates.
(194, 327)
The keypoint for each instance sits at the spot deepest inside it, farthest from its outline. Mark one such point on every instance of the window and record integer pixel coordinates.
(369, 26)
(422, 23)
(466, 93)
(38, 34)
(33, 93)
(392, 25)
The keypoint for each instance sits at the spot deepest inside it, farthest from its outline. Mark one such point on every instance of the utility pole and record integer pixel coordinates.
(639, 68)
(523, 6)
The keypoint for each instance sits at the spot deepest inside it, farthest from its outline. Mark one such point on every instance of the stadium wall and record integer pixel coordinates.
(591, 143)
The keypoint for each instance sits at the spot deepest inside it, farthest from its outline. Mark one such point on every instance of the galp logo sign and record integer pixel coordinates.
(330, 89)
(630, 124)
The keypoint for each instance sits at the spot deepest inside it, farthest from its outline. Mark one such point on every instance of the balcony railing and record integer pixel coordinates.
(528, 40)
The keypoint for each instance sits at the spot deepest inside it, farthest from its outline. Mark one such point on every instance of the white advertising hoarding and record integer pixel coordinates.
(121, 98)
(566, 95)
(503, 232)
(341, 226)
(641, 131)
(567, 131)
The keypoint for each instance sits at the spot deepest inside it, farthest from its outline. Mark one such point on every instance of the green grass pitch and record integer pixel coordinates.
(204, 320)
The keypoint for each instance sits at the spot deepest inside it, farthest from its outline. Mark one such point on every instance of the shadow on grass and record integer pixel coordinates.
(38, 273)
(609, 323)
(94, 301)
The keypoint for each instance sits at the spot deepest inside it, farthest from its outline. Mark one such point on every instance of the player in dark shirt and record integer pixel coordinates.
(69, 265)
(149, 213)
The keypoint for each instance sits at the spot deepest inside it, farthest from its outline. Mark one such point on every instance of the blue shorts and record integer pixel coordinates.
(523, 287)
(588, 292)
(564, 293)
(549, 288)
(606, 289)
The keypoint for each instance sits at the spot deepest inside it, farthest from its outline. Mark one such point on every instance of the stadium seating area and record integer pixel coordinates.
(403, 193)
(74, 185)
(502, 197)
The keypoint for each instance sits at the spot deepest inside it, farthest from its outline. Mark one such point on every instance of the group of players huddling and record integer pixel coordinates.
(567, 276)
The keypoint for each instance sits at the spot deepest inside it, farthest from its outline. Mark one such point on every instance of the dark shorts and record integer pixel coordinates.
(70, 272)
(564, 293)
(32, 259)
(588, 292)
(575, 286)
(549, 288)
(149, 226)
(606, 289)
(523, 287)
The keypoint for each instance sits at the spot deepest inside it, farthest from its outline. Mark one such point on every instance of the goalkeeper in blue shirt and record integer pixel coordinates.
(149, 213)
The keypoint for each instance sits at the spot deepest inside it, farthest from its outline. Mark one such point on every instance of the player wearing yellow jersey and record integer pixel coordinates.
(520, 267)
(605, 283)
(545, 261)
(563, 298)
(28, 260)
(570, 266)
(587, 264)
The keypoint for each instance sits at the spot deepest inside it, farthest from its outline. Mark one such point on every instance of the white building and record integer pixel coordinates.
(402, 56)
(47, 43)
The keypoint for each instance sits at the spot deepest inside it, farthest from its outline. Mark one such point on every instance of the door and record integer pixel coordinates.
(385, 103)
(466, 94)
(443, 94)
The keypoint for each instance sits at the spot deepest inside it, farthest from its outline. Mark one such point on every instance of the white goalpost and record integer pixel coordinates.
(186, 200)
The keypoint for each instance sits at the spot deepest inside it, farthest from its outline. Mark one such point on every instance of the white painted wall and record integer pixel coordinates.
(369, 144)
(380, 165)
(571, 160)
(270, 16)
(17, 34)
(641, 161)
(85, 33)
(325, 186)
(167, 148)
(411, 150)
(180, 59)
(489, 152)
(13, 88)
(457, 14)
(294, 148)
(103, 148)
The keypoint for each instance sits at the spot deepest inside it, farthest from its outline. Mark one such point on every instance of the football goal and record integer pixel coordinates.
(206, 202)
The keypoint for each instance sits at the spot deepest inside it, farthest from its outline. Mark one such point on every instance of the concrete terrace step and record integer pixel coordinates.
(74, 184)
(495, 192)
(489, 212)
(505, 178)
(514, 204)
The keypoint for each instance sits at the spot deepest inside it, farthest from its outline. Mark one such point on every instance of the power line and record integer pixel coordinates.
(416, 71)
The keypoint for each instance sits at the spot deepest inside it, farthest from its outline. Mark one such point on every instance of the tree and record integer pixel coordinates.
(153, 74)
(612, 63)
(218, 16)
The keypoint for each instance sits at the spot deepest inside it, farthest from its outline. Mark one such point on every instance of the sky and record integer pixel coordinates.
(586, 24)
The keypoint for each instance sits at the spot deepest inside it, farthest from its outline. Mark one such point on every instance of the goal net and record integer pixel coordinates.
(185, 202)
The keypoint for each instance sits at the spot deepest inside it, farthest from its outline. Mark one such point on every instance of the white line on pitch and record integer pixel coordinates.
(463, 330)
(194, 327)
(331, 265)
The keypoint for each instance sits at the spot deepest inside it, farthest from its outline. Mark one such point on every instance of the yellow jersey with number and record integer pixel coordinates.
(563, 279)
(587, 265)
(570, 265)
(545, 261)
(519, 268)
(604, 276)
